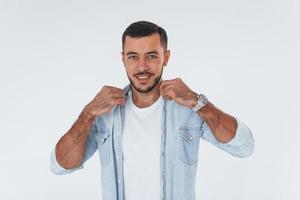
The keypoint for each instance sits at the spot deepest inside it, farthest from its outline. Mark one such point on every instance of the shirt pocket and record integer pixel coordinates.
(103, 138)
(189, 144)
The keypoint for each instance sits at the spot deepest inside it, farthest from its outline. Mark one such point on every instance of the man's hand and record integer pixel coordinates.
(178, 91)
(104, 101)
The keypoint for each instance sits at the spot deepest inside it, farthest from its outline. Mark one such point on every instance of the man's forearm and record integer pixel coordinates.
(70, 148)
(222, 125)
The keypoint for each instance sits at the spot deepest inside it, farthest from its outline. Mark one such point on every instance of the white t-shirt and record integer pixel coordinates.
(142, 132)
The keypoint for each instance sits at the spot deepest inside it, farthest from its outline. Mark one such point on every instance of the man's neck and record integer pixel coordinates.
(143, 100)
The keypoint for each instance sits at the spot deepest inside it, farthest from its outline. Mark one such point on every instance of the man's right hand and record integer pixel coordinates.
(104, 101)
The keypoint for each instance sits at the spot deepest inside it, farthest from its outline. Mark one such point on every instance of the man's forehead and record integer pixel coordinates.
(147, 43)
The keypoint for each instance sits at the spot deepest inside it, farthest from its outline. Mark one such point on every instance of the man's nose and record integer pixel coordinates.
(142, 64)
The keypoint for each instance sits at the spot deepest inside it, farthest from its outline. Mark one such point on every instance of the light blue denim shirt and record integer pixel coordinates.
(182, 131)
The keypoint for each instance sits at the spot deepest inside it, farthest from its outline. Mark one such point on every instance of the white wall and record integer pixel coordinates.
(56, 55)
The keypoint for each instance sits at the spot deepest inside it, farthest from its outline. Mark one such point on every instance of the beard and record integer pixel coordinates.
(149, 88)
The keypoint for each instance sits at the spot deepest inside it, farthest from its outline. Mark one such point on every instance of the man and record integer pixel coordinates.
(148, 133)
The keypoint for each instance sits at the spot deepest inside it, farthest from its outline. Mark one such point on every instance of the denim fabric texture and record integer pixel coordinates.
(182, 132)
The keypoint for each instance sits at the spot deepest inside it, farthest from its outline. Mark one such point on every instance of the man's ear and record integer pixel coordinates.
(167, 54)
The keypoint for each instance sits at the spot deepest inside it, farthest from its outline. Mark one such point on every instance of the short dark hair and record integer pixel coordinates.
(145, 28)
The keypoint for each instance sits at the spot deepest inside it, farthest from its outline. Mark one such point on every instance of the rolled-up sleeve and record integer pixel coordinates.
(56, 168)
(242, 145)
(90, 148)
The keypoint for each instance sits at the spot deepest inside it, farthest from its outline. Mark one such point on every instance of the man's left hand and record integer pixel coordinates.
(178, 91)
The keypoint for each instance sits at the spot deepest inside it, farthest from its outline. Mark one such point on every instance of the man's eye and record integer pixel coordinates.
(152, 56)
(132, 57)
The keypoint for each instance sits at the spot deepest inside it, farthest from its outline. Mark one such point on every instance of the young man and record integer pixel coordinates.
(148, 133)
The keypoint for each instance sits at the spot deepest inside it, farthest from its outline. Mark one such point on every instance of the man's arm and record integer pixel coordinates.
(223, 126)
(70, 149)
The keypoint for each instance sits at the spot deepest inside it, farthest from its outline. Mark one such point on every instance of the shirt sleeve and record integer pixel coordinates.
(56, 168)
(242, 145)
(90, 149)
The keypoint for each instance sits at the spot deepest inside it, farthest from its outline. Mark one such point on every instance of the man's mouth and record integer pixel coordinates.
(143, 78)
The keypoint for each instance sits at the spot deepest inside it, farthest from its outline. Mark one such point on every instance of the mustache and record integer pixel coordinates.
(143, 73)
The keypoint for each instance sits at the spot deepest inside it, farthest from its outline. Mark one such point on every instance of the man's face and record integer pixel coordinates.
(144, 59)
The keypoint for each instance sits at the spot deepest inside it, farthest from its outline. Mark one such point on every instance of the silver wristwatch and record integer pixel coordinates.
(202, 101)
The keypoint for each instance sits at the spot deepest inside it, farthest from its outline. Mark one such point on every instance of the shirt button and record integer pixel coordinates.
(119, 181)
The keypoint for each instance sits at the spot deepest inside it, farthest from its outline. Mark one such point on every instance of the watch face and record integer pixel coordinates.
(203, 98)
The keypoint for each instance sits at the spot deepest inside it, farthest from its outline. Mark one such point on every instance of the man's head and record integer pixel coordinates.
(144, 54)
(144, 28)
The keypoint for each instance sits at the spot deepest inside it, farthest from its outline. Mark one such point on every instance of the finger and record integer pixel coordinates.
(162, 90)
(115, 93)
(168, 82)
(163, 84)
(119, 101)
(114, 89)
(167, 96)
(110, 89)
(168, 92)
(118, 94)
(167, 88)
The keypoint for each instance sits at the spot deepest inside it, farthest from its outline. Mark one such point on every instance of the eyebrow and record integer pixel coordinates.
(131, 52)
(135, 53)
(152, 52)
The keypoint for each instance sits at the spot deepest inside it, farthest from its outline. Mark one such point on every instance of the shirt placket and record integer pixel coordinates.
(163, 155)
(118, 153)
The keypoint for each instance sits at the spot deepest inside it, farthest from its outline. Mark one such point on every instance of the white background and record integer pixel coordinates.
(56, 55)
